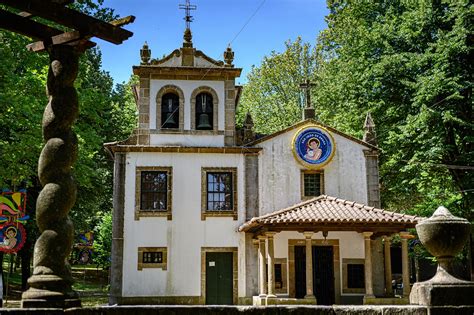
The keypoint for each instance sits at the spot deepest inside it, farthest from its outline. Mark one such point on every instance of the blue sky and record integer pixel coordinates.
(216, 24)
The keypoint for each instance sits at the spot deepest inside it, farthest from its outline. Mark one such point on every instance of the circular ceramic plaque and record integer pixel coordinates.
(313, 147)
(12, 237)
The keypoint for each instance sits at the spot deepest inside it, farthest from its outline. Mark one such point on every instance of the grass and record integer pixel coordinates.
(90, 282)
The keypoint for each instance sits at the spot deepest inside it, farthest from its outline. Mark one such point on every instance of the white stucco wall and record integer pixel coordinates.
(187, 140)
(187, 86)
(185, 234)
(280, 173)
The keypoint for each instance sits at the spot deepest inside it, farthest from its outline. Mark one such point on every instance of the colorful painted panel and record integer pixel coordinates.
(313, 147)
(12, 217)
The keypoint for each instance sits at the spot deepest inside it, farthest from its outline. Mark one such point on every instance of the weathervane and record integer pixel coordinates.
(188, 7)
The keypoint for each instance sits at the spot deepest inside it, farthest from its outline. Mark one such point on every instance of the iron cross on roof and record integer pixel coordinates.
(306, 86)
(188, 7)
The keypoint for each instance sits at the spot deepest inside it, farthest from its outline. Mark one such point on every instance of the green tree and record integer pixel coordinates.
(408, 63)
(103, 241)
(272, 94)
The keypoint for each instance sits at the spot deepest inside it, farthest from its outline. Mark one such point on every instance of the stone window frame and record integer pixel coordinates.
(235, 271)
(153, 213)
(321, 182)
(345, 262)
(163, 265)
(215, 109)
(159, 96)
(223, 213)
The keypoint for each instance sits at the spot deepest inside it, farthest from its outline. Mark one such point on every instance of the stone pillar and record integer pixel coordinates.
(369, 291)
(271, 264)
(229, 112)
(50, 285)
(262, 261)
(388, 266)
(251, 265)
(251, 185)
(372, 175)
(116, 268)
(405, 264)
(309, 265)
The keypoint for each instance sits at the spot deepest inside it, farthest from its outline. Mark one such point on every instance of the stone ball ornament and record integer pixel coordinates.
(313, 147)
(443, 235)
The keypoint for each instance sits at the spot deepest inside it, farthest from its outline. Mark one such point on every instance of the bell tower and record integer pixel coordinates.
(186, 98)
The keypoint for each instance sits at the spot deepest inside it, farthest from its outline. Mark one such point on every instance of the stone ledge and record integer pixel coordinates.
(254, 310)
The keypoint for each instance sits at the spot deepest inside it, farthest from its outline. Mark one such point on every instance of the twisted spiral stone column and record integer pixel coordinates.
(50, 284)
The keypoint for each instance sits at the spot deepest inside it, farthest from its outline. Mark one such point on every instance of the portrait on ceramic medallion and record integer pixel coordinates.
(313, 146)
(12, 238)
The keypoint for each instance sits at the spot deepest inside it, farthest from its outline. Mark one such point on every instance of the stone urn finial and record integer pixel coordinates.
(145, 53)
(444, 235)
(228, 57)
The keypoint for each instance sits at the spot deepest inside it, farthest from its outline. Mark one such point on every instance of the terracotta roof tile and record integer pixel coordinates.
(327, 209)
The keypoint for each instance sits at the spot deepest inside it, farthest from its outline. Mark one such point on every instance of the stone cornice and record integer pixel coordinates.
(197, 73)
(115, 147)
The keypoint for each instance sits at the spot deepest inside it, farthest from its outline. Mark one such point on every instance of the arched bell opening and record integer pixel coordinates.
(170, 111)
(204, 113)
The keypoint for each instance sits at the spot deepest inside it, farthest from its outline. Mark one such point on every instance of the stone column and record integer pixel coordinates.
(271, 264)
(116, 268)
(388, 266)
(309, 265)
(369, 290)
(50, 285)
(405, 264)
(261, 262)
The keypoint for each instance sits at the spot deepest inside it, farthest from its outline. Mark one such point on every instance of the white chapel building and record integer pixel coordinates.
(205, 213)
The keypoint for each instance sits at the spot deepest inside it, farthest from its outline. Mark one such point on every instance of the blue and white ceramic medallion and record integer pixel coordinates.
(313, 147)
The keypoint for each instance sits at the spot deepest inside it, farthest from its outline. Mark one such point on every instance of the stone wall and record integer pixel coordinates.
(270, 310)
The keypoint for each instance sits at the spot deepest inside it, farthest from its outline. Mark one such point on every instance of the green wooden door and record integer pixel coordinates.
(219, 284)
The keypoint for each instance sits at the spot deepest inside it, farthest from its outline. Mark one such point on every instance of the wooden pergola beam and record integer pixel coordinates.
(25, 26)
(86, 25)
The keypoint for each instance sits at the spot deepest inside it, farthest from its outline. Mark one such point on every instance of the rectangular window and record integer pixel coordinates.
(153, 191)
(152, 257)
(280, 275)
(219, 192)
(355, 276)
(312, 184)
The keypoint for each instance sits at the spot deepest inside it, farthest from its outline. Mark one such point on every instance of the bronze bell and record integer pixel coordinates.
(170, 119)
(204, 122)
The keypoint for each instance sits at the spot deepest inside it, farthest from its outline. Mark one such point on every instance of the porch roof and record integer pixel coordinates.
(330, 214)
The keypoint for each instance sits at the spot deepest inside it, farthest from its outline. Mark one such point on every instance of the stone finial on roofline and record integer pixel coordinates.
(228, 57)
(248, 133)
(369, 126)
(145, 53)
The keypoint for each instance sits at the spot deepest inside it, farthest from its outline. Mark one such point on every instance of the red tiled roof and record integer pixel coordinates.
(330, 210)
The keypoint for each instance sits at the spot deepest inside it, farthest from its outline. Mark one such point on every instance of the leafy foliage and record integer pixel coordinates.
(272, 94)
(408, 63)
(103, 241)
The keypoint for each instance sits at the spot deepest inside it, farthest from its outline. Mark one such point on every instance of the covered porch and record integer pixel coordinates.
(328, 251)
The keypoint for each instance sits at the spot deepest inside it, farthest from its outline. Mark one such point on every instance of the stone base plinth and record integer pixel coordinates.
(443, 294)
(38, 303)
(385, 301)
(267, 300)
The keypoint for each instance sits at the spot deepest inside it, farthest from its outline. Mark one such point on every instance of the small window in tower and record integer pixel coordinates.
(170, 111)
(204, 115)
